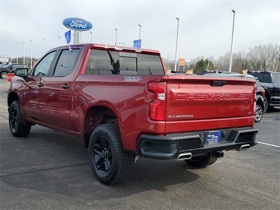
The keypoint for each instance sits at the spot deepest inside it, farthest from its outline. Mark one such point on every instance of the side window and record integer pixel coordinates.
(66, 62)
(99, 63)
(42, 68)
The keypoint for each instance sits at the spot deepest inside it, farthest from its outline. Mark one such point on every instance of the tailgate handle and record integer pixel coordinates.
(218, 83)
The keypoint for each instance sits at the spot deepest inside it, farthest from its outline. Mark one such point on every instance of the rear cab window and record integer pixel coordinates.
(103, 62)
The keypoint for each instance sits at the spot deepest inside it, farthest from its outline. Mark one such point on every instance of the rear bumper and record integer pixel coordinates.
(176, 145)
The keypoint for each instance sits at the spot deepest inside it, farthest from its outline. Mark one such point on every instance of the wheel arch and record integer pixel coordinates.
(97, 115)
(12, 97)
(260, 102)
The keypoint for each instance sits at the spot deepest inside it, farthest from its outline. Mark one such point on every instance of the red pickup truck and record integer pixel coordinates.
(125, 105)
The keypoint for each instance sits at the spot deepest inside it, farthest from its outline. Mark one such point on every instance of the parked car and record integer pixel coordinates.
(4, 70)
(271, 83)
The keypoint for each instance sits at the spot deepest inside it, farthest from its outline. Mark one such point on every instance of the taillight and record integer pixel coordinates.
(263, 92)
(157, 106)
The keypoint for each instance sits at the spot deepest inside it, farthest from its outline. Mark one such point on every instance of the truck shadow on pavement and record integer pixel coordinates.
(50, 162)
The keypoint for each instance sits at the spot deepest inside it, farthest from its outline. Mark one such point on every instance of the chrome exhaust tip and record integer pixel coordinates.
(245, 147)
(185, 156)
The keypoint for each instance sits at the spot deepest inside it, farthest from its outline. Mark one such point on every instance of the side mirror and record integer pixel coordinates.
(21, 72)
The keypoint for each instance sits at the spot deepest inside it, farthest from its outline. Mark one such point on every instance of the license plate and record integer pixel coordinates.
(212, 137)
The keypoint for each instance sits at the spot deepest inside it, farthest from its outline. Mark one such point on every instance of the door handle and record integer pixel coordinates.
(65, 86)
(40, 84)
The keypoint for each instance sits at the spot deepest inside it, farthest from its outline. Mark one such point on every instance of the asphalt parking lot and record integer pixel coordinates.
(50, 170)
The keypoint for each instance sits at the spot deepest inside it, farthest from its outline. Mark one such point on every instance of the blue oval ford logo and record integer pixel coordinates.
(77, 24)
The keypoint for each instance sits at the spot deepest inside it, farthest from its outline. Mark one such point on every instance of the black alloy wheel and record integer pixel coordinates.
(103, 158)
(18, 126)
(13, 118)
(109, 163)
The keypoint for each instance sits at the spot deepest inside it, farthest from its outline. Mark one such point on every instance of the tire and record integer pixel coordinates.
(258, 113)
(18, 126)
(4, 74)
(202, 161)
(265, 105)
(109, 163)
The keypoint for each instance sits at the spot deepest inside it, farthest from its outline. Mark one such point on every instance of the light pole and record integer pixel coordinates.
(116, 39)
(58, 40)
(139, 31)
(176, 50)
(11, 52)
(43, 46)
(90, 36)
(23, 53)
(17, 52)
(230, 61)
(30, 54)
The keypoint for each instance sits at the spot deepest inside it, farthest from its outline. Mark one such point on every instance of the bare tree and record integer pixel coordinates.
(264, 57)
(238, 63)
(261, 57)
(169, 64)
(223, 62)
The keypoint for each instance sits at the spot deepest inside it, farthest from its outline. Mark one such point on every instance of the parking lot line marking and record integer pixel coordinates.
(272, 145)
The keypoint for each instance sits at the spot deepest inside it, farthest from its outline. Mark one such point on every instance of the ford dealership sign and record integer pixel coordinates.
(77, 24)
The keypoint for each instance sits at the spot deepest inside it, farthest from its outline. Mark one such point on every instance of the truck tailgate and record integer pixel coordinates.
(195, 98)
